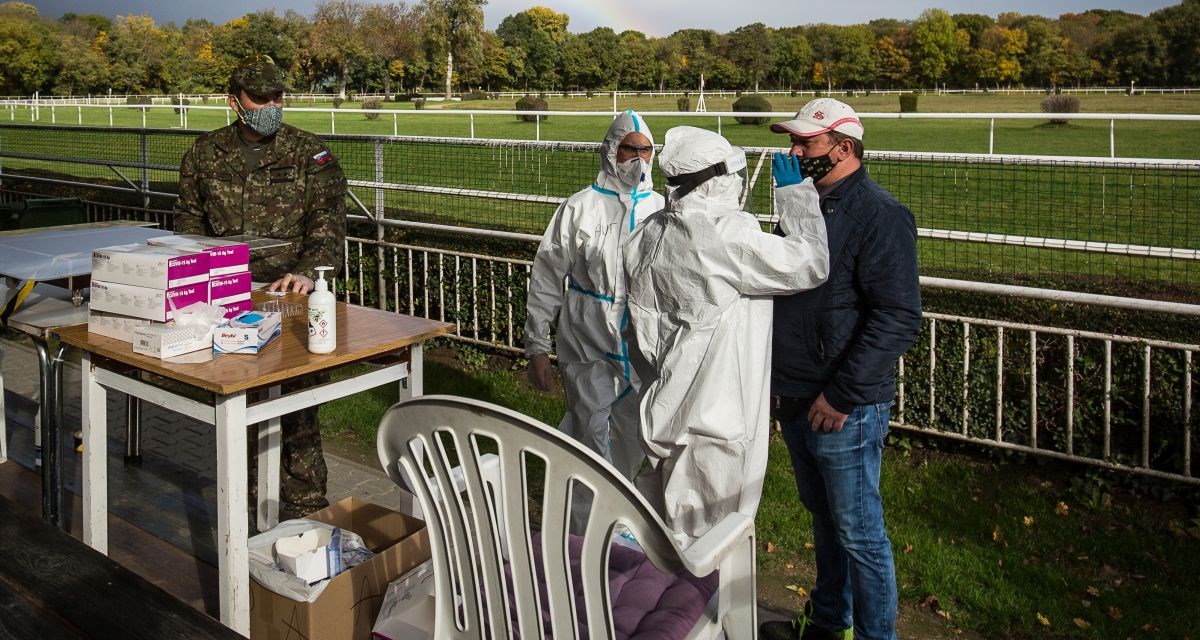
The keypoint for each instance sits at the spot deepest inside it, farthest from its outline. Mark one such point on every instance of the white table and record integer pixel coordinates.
(363, 335)
(62, 254)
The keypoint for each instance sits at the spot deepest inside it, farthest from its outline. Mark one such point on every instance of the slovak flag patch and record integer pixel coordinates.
(322, 158)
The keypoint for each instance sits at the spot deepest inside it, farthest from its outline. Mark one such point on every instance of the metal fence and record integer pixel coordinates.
(163, 114)
(443, 228)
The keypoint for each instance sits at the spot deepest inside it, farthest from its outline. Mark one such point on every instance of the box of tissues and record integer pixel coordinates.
(311, 556)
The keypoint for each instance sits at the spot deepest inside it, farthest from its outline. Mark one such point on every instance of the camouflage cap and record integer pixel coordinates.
(256, 74)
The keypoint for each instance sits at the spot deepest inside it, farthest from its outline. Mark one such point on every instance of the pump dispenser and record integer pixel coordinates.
(322, 316)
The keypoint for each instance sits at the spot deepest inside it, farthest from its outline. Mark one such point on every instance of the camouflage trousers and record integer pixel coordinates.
(303, 474)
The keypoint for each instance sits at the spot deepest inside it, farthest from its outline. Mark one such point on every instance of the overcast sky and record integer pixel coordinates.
(654, 17)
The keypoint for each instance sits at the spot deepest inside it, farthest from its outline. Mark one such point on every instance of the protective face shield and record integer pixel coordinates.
(265, 120)
(733, 164)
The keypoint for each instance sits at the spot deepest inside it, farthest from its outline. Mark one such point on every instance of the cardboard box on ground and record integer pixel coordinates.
(347, 608)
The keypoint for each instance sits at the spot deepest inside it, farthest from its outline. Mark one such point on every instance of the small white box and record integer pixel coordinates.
(408, 606)
(114, 325)
(146, 266)
(248, 332)
(169, 340)
(311, 556)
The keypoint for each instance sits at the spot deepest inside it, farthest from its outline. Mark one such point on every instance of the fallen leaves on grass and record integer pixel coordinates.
(1043, 620)
(798, 590)
(1062, 509)
(996, 533)
(1029, 521)
(908, 548)
(1093, 592)
(770, 547)
(1115, 613)
(1081, 623)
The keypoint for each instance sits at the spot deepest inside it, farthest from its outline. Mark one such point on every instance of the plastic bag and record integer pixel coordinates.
(265, 569)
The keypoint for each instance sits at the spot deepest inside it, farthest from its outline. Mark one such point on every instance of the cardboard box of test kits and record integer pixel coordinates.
(248, 332)
(145, 302)
(224, 256)
(114, 325)
(226, 290)
(142, 265)
(347, 608)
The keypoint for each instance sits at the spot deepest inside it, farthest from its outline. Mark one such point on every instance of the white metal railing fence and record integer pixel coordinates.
(31, 111)
(1113, 401)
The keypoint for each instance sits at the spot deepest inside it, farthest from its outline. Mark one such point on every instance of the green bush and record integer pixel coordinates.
(139, 100)
(175, 100)
(531, 103)
(337, 102)
(372, 103)
(908, 103)
(477, 95)
(1060, 104)
(418, 103)
(751, 102)
(684, 104)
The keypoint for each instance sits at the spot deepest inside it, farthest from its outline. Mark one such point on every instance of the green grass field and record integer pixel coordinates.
(1158, 207)
(1138, 139)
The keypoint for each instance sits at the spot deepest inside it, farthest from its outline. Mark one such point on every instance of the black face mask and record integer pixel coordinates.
(818, 167)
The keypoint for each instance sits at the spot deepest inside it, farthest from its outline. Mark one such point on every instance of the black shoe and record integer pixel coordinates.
(800, 628)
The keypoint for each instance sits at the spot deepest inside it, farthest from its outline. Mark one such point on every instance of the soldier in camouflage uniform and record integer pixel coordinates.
(262, 177)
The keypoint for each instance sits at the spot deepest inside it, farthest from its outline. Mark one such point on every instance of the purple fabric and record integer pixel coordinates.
(647, 603)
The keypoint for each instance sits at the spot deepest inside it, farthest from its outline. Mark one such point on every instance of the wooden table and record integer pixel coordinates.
(53, 586)
(362, 334)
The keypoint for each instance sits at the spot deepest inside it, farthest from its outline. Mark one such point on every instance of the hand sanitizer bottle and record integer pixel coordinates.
(322, 316)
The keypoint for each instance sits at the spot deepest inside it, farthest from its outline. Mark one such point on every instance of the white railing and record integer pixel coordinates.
(35, 108)
(985, 381)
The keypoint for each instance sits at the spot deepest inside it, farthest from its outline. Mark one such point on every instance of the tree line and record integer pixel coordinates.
(442, 45)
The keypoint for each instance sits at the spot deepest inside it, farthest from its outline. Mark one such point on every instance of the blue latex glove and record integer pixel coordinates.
(786, 170)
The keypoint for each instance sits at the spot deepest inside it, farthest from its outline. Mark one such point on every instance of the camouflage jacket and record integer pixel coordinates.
(296, 193)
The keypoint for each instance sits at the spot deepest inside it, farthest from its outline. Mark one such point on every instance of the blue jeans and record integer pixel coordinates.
(837, 476)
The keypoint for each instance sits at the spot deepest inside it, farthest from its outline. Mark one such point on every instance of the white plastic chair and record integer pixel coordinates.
(426, 437)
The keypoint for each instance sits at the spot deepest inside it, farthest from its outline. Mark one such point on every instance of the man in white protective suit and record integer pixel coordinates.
(701, 275)
(578, 278)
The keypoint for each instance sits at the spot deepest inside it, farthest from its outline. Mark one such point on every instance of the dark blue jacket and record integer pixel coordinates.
(844, 337)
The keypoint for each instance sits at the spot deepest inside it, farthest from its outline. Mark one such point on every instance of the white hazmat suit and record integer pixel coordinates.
(578, 277)
(701, 276)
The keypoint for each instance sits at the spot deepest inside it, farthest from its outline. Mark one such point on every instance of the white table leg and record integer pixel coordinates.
(232, 504)
(414, 385)
(95, 459)
(268, 469)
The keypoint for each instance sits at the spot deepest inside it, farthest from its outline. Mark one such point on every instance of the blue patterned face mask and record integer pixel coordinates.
(265, 121)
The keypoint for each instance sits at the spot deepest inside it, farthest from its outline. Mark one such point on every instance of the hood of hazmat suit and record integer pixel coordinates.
(577, 278)
(701, 275)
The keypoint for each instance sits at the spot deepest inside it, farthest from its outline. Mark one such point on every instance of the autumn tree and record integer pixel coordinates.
(937, 44)
(391, 34)
(454, 28)
(335, 40)
(28, 55)
(753, 48)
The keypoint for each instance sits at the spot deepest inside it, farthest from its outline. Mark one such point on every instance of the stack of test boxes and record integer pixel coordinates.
(228, 269)
(136, 288)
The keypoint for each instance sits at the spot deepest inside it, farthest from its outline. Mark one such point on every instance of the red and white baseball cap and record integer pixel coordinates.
(822, 116)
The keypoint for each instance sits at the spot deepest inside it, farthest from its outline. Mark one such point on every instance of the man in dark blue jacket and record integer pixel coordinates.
(833, 376)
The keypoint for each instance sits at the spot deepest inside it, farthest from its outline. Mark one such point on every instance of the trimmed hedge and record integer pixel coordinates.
(532, 103)
(751, 102)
